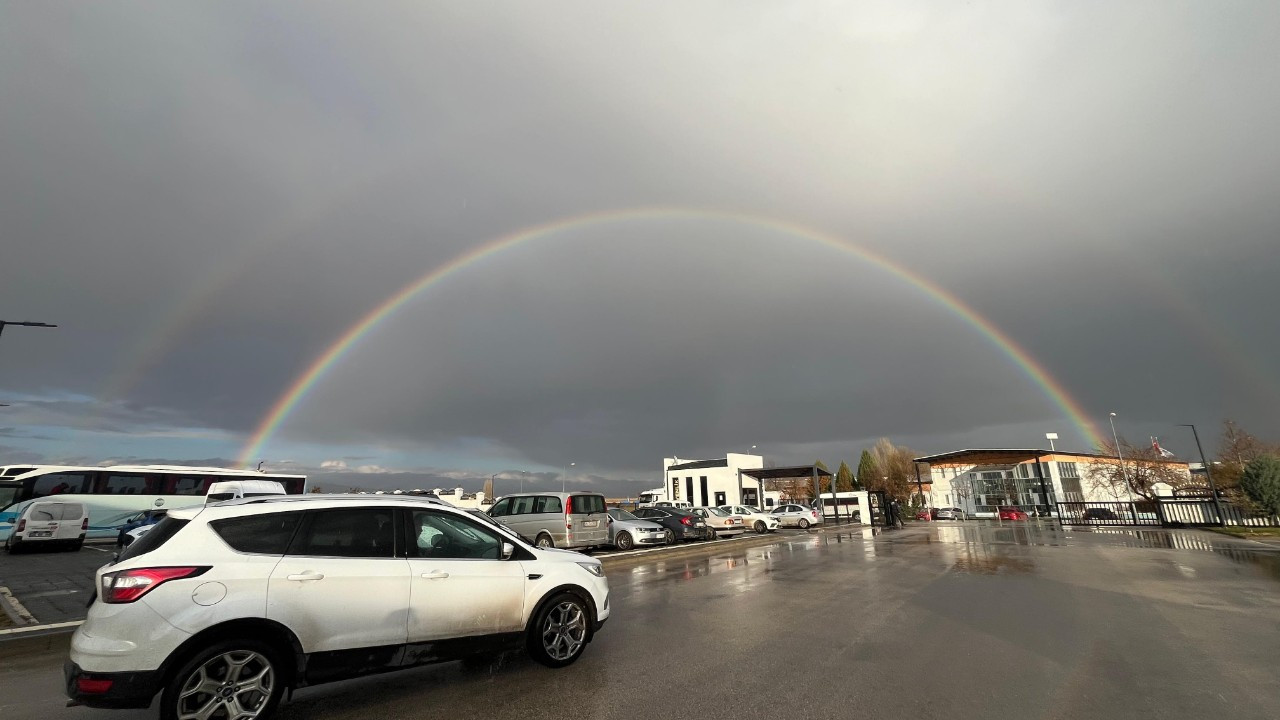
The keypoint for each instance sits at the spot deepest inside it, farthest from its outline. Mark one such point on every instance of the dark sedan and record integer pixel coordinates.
(680, 524)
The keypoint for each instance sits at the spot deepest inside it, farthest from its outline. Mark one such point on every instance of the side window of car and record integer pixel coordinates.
(547, 504)
(443, 536)
(347, 532)
(500, 508)
(266, 534)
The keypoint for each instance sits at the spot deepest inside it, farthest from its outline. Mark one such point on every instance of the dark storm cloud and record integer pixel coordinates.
(205, 196)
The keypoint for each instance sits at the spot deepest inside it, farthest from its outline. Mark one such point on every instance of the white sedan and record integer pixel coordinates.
(721, 523)
(758, 520)
(797, 516)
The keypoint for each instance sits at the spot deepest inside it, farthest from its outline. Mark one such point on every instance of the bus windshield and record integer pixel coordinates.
(8, 493)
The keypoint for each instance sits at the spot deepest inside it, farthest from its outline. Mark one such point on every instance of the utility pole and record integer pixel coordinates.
(1213, 488)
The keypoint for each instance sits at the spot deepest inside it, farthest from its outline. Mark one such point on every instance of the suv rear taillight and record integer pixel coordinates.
(84, 524)
(22, 525)
(129, 585)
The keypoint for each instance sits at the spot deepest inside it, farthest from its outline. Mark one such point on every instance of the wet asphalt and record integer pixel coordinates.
(936, 621)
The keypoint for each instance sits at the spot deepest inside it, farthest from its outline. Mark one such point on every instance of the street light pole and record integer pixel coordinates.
(1213, 487)
(522, 474)
(565, 476)
(1123, 472)
(24, 323)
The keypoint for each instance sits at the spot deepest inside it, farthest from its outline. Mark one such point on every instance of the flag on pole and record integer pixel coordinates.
(1155, 445)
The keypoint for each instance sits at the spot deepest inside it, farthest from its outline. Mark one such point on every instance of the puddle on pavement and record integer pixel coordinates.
(993, 565)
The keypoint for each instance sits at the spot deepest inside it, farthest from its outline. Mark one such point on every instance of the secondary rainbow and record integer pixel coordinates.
(316, 369)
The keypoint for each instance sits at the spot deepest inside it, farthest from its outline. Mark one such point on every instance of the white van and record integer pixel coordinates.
(236, 489)
(50, 521)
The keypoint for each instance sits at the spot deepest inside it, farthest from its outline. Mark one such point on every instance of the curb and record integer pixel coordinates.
(14, 609)
(17, 642)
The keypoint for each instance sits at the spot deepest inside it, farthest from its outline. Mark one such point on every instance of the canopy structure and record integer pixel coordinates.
(781, 473)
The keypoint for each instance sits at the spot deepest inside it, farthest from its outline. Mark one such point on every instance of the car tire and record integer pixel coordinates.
(623, 541)
(215, 663)
(668, 537)
(803, 524)
(761, 528)
(712, 535)
(544, 541)
(12, 546)
(75, 546)
(560, 631)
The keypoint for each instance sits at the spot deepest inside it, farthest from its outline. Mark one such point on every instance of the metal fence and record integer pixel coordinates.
(1165, 512)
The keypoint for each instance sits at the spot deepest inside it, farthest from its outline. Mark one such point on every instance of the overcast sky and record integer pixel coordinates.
(204, 196)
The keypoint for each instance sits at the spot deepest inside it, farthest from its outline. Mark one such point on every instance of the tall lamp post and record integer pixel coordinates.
(24, 323)
(1124, 473)
(1213, 487)
(565, 475)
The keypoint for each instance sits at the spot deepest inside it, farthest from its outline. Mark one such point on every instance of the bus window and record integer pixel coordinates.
(8, 494)
(58, 484)
(186, 485)
(113, 484)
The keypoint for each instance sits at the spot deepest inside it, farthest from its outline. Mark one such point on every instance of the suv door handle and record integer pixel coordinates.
(303, 577)
(435, 575)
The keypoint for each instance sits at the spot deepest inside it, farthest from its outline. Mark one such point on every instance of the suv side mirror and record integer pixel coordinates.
(508, 550)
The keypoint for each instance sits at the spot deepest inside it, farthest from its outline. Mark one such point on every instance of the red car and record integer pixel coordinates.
(1012, 513)
(924, 515)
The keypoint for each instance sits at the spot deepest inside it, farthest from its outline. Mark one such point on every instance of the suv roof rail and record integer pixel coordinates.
(428, 499)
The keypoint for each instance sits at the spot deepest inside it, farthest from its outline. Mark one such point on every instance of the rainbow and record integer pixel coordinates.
(298, 389)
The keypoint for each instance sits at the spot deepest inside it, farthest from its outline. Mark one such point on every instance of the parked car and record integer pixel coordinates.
(721, 522)
(792, 515)
(222, 609)
(678, 524)
(756, 519)
(551, 519)
(144, 519)
(49, 523)
(1100, 514)
(951, 513)
(1012, 513)
(626, 530)
(236, 489)
(925, 514)
(674, 504)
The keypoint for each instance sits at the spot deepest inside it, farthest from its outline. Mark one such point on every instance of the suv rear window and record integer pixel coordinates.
(583, 504)
(157, 536)
(266, 534)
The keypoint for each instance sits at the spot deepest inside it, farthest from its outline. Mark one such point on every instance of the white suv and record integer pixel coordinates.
(220, 609)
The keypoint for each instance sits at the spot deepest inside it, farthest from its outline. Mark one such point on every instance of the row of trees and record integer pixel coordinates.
(884, 466)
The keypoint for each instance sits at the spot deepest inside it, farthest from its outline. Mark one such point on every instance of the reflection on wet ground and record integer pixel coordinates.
(972, 547)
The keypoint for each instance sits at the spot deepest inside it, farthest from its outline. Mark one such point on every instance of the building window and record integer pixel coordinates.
(1068, 470)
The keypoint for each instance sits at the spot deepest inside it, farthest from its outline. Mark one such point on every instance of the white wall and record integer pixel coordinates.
(722, 480)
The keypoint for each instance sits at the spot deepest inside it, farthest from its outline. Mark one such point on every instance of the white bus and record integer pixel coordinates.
(116, 493)
(854, 504)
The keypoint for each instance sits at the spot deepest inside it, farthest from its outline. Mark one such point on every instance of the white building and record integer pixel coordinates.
(714, 482)
(980, 481)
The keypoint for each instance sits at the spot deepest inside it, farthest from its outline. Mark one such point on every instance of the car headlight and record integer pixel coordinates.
(594, 568)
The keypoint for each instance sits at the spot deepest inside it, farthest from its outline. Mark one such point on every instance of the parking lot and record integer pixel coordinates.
(53, 586)
(938, 620)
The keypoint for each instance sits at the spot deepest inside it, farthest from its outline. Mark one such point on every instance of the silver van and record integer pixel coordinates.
(552, 519)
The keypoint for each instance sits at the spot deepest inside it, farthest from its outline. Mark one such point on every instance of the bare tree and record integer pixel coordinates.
(1142, 468)
(1236, 449)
